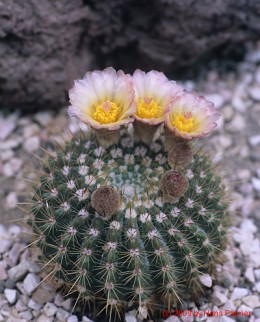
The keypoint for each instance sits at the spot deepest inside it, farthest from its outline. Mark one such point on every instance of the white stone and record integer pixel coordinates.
(225, 141)
(237, 124)
(206, 280)
(245, 308)
(255, 92)
(6, 155)
(219, 298)
(10, 295)
(249, 275)
(30, 283)
(30, 130)
(257, 286)
(7, 125)
(62, 314)
(130, 317)
(11, 167)
(229, 305)
(49, 309)
(3, 274)
(73, 318)
(43, 118)
(11, 200)
(5, 245)
(228, 112)
(26, 315)
(225, 319)
(86, 319)
(254, 140)
(34, 305)
(251, 301)
(12, 143)
(172, 319)
(256, 183)
(31, 144)
(257, 274)
(44, 318)
(238, 293)
(216, 99)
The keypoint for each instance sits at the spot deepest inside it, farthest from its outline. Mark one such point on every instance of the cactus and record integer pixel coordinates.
(119, 226)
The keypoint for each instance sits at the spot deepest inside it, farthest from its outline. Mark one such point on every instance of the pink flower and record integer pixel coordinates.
(191, 116)
(103, 99)
(153, 95)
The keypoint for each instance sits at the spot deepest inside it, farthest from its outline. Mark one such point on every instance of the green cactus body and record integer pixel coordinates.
(149, 251)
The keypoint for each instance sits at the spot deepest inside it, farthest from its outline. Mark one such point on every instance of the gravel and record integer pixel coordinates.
(24, 296)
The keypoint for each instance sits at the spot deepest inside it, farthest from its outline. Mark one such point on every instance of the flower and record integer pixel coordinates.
(154, 93)
(103, 99)
(191, 116)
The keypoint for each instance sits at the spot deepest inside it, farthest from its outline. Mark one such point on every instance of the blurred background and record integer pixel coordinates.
(45, 45)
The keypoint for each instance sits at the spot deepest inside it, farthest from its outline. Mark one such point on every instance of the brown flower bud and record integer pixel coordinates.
(105, 200)
(180, 155)
(173, 185)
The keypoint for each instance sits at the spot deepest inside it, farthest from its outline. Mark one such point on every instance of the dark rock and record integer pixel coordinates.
(46, 44)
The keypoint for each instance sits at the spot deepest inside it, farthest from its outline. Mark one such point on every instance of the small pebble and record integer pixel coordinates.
(239, 293)
(31, 144)
(10, 295)
(30, 283)
(73, 318)
(50, 309)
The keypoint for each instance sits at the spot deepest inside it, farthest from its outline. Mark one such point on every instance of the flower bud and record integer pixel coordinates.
(173, 185)
(180, 156)
(105, 200)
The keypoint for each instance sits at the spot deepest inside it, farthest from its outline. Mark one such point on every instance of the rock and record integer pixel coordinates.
(249, 275)
(62, 315)
(67, 304)
(238, 293)
(7, 125)
(11, 200)
(237, 124)
(17, 272)
(43, 294)
(6, 155)
(34, 305)
(225, 319)
(11, 167)
(172, 319)
(256, 313)
(3, 274)
(10, 295)
(257, 286)
(49, 309)
(216, 99)
(206, 280)
(257, 274)
(256, 183)
(44, 318)
(14, 253)
(30, 283)
(11, 143)
(20, 306)
(5, 245)
(27, 315)
(73, 318)
(228, 113)
(229, 305)
(31, 144)
(44, 118)
(219, 298)
(30, 130)
(131, 316)
(46, 62)
(254, 140)
(255, 92)
(86, 319)
(251, 301)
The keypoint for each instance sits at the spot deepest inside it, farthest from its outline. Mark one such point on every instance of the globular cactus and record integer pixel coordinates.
(122, 226)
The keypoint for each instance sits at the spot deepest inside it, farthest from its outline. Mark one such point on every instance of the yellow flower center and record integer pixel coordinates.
(147, 109)
(184, 122)
(106, 112)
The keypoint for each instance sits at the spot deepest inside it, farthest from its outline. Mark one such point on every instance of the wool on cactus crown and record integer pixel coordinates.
(149, 251)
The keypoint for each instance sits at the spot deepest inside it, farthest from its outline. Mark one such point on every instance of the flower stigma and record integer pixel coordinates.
(148, 108)
(106, 112)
